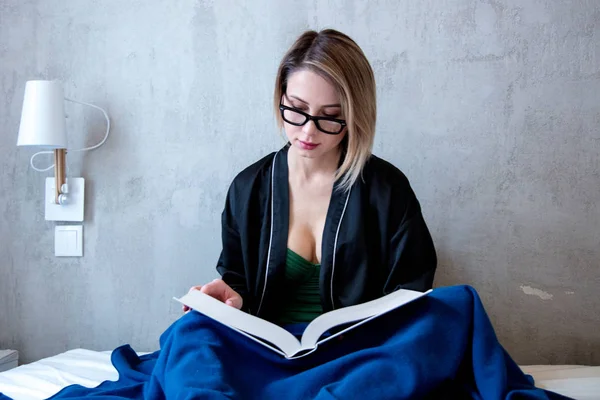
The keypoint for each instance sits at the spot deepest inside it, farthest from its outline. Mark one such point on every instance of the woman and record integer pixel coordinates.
(322, 223)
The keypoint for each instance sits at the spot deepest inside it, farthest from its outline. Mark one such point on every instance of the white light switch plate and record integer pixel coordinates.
(73, 210)
(68, 241)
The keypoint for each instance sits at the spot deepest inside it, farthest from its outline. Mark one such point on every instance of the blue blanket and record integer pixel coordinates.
(439, 347)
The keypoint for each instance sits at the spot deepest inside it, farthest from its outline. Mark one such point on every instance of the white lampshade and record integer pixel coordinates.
(43, 120)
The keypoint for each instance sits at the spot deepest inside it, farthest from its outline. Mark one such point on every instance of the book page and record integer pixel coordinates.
(364, 311)
(241, 321)
(264, 343)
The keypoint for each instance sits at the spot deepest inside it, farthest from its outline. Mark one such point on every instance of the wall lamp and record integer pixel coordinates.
(43, 126)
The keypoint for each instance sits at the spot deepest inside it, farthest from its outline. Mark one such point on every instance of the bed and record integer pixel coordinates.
(44, 378)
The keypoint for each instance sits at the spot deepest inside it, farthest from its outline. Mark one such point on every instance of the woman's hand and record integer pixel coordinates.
(220, 291)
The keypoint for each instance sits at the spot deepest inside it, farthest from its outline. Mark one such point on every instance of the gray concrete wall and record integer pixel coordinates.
(490, 107)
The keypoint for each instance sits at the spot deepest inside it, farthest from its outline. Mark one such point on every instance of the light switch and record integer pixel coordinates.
(68, 241)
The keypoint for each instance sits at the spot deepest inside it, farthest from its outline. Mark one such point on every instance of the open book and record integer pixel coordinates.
(281, 341)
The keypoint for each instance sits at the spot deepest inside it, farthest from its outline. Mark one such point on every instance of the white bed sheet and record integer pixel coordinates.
(44, 378)
(575, 381)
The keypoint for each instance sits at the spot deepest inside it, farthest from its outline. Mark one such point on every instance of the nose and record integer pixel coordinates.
(310, 128)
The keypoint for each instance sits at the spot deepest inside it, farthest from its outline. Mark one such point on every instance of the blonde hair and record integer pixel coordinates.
(338, 59)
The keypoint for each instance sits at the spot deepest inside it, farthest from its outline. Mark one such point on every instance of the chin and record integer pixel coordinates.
(309, 153)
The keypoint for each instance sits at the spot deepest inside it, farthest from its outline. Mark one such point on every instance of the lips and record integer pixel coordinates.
(307, 146)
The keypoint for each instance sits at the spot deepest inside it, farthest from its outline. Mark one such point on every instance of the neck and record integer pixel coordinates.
(309, 169)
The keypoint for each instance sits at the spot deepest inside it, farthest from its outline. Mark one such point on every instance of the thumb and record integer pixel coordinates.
(235, 301)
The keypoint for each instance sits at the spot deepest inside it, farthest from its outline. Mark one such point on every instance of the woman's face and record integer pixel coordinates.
(312, 94)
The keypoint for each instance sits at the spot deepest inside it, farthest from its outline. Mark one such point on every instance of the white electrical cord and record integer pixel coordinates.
(37, 154)
(84, 149)
(107, 126)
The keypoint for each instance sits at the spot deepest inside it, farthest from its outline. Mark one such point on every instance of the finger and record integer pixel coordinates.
(195, 288)
(185, 308)
(223, 292)
(235, 301)
(216, 289)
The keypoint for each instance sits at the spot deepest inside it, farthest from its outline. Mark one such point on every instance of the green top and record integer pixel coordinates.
(302, 302)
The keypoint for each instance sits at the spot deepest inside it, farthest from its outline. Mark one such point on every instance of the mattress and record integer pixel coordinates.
(44, 378)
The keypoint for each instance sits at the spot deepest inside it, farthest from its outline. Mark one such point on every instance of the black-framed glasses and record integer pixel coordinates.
(328, 125)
